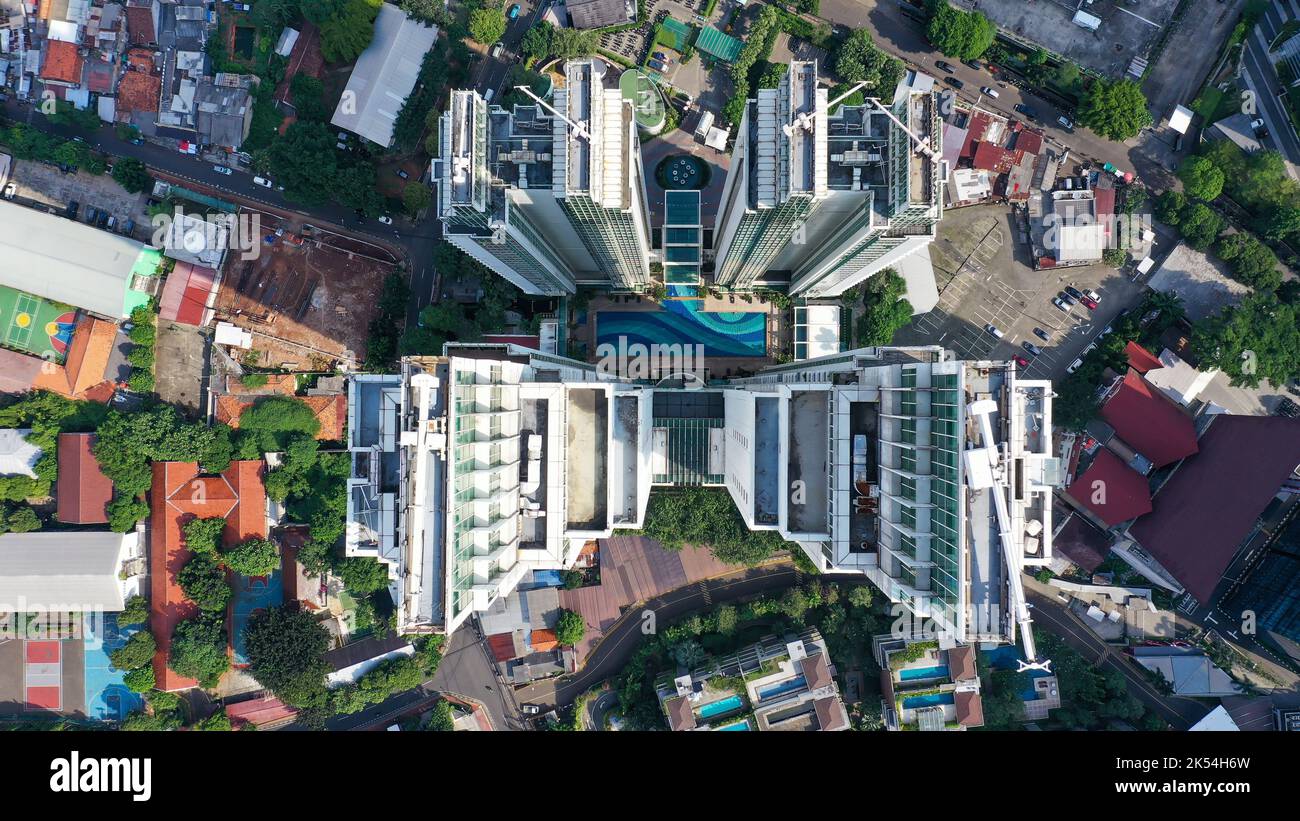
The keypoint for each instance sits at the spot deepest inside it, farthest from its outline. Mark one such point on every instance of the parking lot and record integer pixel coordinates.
(984, 278)
(632, 43)
(41, 184)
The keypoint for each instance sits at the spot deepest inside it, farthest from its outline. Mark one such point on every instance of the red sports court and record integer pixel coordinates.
(43, 675)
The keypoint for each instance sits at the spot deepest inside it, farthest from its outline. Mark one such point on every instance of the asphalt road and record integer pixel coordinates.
(621, 642)
(1050, 614)
(1263, 80)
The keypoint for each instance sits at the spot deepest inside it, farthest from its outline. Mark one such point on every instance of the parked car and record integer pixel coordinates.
(530, 709)
(1260, 131)
(992, 329)
(1074, 366)
(944, 66)
(402, 173)
(11, 190)
(386, 220)
(1021, 108)
(1056, 300)
(990, 91)
(659, 55)
(975, 64)
(1074, 292)
(103, 219)
(221, 169)
(1043, 335)
(514, 11)
(92, 214)
(262, 181)
(1032, 348)
(1064, 122)
(954, 82)
(1091, 294)
(112, 223)
(1021, 361)
(1090, 304)
(657, 66)
(489, 94)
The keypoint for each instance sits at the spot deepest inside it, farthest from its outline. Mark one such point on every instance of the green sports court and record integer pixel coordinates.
(34, 325)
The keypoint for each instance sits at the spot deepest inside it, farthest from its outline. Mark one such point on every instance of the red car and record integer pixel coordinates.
(1021, 361)
(1089, 303)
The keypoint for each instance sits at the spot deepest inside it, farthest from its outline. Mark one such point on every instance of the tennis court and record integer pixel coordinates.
(43, 675)
(722, 46)
(252, 593)
(35, 325)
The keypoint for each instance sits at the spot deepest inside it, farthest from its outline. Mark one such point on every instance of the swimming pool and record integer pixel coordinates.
(682, 322)
(931, 700)
(1008, 657)
(739, 726)
(781, 689)
(921, 673)
(717, 708)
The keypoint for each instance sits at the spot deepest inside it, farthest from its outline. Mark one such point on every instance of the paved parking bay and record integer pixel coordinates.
(41, 183)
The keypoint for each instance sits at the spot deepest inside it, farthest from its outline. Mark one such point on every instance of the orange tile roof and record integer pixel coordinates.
(137, 91)
(62, 62)
(82, 375)
(180, 493)
(543, 640)
(83, 490)
(281, 383)
(330, 411)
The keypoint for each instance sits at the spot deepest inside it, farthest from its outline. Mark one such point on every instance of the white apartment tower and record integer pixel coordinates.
(550, 195)
(817, 202)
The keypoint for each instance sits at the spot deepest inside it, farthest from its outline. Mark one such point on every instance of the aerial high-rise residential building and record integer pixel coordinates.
(817, 202)
(551, 195)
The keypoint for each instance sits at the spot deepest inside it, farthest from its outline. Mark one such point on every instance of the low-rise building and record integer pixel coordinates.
(384, 75)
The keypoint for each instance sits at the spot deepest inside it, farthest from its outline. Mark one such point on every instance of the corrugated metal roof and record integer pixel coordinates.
(384, 75)
(69, 571)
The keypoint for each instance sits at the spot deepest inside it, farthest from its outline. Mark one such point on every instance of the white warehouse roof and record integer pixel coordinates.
(69, 571)
(384, 75)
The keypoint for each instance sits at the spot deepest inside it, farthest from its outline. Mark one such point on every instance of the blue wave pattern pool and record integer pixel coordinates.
(681, 322)
(781, 689)
(923, 673)
(717, 708)
(1008, 657)
(931, 700)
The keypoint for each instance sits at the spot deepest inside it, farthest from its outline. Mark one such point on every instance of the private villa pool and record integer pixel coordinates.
(717, 708)
(923, 673)
(739, 726)
(796, 683)
(1008, 657)
(930, 700)
(682, 322)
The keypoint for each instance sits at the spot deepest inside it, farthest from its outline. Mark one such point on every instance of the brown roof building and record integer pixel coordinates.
(970, 708)
(961, 663)
(681, 716)
(83, 489)
(815, 671)
(138, 91)
(330, 411)
(62, 64)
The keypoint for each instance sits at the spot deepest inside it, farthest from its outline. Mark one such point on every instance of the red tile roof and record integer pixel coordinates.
(138, 91)
(1210, 504)
(83, 489)
(979, 123)
(82, 375)
(181, 493)
(970, 708)
(62, 62)
(1030, 142)
(258, 711)
(1112, 490)
(1140, 359)
(502, 646)
(185, 294)
(543, 640)
(1105, 201)
(139, 25)
(1150, 422)
(990, 157)
(330, 411)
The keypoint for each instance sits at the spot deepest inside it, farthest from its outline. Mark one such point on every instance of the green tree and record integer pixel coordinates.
(885, 309)
(304, 162)
(198, 650)
(1169, 207)
(272, 422)
(1257, 339)
(962, 34)
(1249, 260)
(569, 628)
(860, 60)
(1200, 225)
(131, 174)
(1202, 179)
(123, 513)
(1280, 223)
(1115, 109)
(707, 516)
(362, 575)
(252, 557)
(203, 535)
(138, 651)
(860, 596)
(286, 654)
(24, 520)
(440, 720)
(308, 95)
(487, 25)
(349, 30)
(140, 680)
(204, 583)
(416, 197)
(134, 611)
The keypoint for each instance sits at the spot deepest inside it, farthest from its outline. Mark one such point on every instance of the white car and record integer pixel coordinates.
(386, 220)
(221, 169)
(992, 329)
(990, 91)
(262, 181)
(1091, 294)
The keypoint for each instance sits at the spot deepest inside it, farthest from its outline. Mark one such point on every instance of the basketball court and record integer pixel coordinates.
(43, 675)
(252, 593)
(34, 325)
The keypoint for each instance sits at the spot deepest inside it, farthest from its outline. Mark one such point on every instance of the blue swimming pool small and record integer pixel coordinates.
(739, 726)
(931, 700)
(922, 673)
(717, 708)
(781, 689)
(683, 322)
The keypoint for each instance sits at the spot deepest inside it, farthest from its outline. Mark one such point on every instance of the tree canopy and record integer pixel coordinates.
(569, 628)
(272, 423)
(204, 583)
(349, 30)
(487, 24)
(198, 649)
(1258, 339)
(1249, 260)
(362, 575)
(860, 60)
(252, 557)
(1115, 109)
(136, 652)
(203, 535)
(131, 174)
(885, 309)
(1202, 179)
(962, 34)
(707, 517)
(286, 654)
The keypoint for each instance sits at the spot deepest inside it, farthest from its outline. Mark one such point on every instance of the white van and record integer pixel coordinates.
(990, 91)
(1074, 366)
(992, 329)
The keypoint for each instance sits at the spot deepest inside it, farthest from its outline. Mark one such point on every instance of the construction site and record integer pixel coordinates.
(307, 298)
